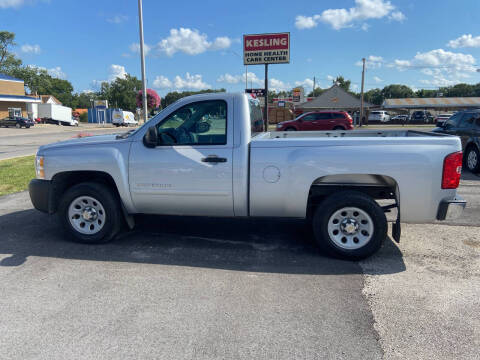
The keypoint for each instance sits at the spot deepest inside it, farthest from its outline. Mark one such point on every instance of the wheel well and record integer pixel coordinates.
(379, 187)
(61, 182)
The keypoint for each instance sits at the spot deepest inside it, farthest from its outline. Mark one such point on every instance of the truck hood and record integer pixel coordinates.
(88, 140)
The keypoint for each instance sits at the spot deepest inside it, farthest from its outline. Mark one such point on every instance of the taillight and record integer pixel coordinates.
(349, 118)
(452, 170)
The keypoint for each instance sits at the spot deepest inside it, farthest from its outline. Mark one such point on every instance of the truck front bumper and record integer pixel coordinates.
(451, 209)
(40, 194)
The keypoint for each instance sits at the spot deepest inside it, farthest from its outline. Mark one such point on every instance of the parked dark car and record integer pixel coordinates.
(18, 122)
(421, 116)
(318, 120)
(466, 125)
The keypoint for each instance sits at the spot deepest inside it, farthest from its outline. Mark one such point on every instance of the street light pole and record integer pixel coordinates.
(142, 56)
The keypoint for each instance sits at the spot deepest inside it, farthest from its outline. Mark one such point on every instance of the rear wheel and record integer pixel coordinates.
(18, 126)
(349, 225)
(90, 213)
(472, 159)
(290, 129)
(338, 128)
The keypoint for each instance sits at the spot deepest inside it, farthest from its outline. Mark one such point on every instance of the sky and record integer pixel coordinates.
(194, 45)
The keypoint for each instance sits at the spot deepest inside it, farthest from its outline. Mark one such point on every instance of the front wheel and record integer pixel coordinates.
(349, 225)
(339, 128)
(472, 159)
(90, 213)
(290, 129)
(18, 126)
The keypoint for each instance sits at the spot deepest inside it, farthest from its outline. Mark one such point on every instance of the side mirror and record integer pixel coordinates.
(202, 127)
(150, 140)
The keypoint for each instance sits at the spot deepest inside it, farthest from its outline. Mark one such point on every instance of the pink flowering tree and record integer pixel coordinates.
(153, 100)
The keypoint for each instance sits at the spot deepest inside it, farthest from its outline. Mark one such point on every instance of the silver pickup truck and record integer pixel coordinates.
(206, 155)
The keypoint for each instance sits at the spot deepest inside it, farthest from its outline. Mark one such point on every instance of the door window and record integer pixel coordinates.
(453, 121)
(467, 121)
(323, 116)
(309, 117)
(199, 123)
(338, 116)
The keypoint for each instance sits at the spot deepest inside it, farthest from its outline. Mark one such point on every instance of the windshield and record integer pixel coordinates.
(146, 125)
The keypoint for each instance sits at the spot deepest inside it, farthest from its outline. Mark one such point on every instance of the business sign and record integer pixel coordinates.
(101, 103)
(266, 49)
(298, 95)
(256, 92)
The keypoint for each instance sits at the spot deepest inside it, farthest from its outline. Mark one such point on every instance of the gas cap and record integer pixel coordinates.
(271, 174)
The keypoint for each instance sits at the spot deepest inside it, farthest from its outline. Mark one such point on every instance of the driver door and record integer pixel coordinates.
(190, 171)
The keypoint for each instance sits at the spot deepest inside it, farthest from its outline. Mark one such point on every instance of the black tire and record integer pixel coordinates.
(346, 199)
(109, 201)
(27, 126)
(471, 165)
(18, 126)
(338, 128)
(290, 129)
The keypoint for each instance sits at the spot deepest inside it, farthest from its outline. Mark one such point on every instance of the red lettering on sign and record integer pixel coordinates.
(265, 42)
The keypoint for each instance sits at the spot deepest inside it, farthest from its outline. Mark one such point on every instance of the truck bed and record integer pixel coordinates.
(347, 134)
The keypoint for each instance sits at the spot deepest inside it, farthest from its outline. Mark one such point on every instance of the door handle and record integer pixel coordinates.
(214, 159)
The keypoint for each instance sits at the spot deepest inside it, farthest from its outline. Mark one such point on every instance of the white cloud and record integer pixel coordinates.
(252, 78)
(162, 82)
(30, 49)
(377, 79)
(344, 18)
(372, 62)
(193, 82)
(444, 67)
(190, 42)
(364, 27)
(306, 22)
(135, 48)
(11, 3)
(330, 78)
(117, 19)
(307, 84)
(221, 42)
(278, 85)
(465, 41)
(397, 16)
(117, 72)
(57, 72)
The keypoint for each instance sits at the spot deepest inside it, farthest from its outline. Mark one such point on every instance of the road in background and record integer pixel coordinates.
(23, 142)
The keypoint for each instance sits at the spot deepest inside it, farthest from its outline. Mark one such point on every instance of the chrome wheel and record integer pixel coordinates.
(350, 228)
(86, 215)
(472, 159)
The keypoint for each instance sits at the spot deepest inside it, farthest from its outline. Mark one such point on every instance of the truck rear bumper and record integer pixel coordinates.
(40, 194)
(451, 209)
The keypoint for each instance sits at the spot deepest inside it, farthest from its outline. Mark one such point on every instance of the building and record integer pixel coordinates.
(13, 101)
(50, 99)
(438, 104)
(335, 98)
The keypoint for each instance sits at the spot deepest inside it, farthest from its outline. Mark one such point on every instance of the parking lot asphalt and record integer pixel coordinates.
(22, 142)
(221, 288)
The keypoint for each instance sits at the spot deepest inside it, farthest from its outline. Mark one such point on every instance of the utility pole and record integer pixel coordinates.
(362, 110)
(314, 86)
(265, 109)
(142, 56)
(246, 77)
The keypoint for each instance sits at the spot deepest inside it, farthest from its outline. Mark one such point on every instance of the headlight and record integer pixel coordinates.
(39, 167)
(279, 126)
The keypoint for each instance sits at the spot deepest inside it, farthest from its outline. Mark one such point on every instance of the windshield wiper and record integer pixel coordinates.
(125, 135)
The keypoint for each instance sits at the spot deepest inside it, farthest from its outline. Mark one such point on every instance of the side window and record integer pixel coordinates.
(467, 121)
(199, 123)
(476, 126)
(256, 116)
(309, 117)
(453, 121)
(338, 116)
(323, 116)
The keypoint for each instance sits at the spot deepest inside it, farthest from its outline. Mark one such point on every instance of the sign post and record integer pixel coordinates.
(266, 49)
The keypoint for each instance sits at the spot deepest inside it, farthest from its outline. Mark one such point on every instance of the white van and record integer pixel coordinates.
(379, 115)
(123, 118)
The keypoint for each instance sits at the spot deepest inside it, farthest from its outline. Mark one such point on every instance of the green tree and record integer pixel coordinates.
(315, 93)
(8, 60)
(374, 96)
(121, 93)
(344, 84)
(173, 96)
(396, 91)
